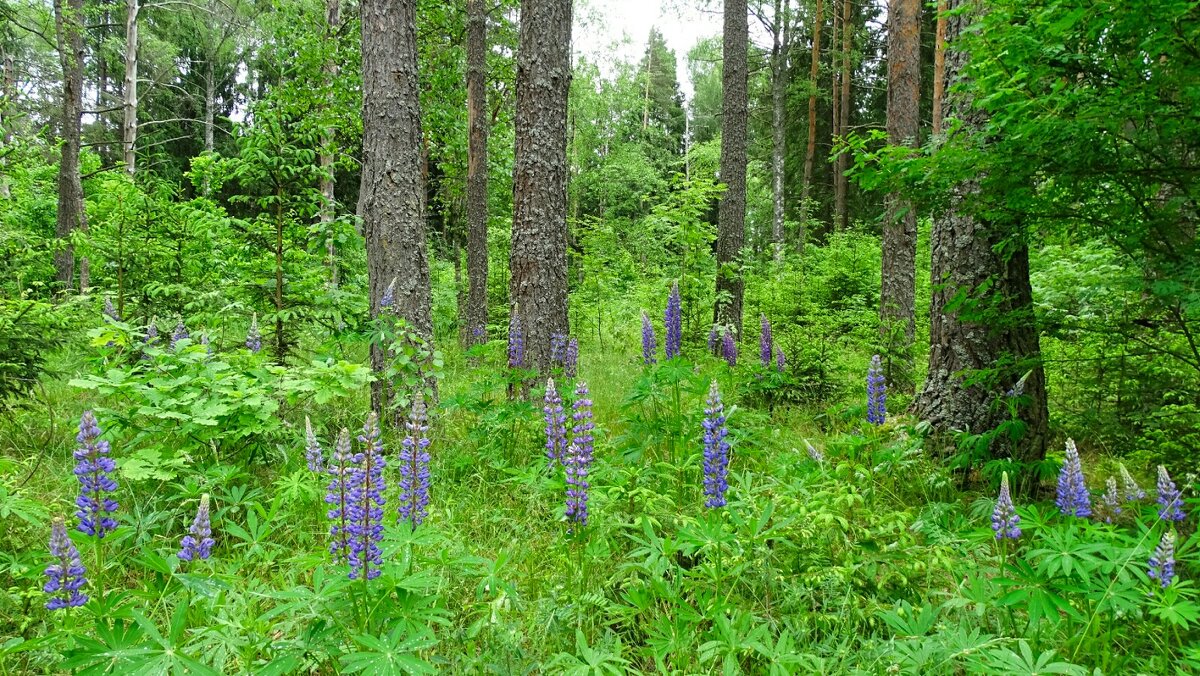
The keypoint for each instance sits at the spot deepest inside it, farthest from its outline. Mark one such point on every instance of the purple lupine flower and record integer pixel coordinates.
(253, 338)
(151, 336)
(765, 343)
(64, 577)
(479, 333)
(649, 343)
(813, 453)
(1005, 521)
(556, 423)
(1073, 497)
(414, 465)
(364, 504)
(780, 360)
(558, 349)
(876, 393)
(716, 450)
(94, 469)
(181, 333)
(571, 365)
(729, 348)
(198, 543)
(673, 324)
(577, 461)
(1169, 498)
(389, 295)
(110, 310)
(1129, 488)
(516, 343)
(338, 495)
(1110, 501)
(714, 339)
(1162, 563)
(312, 449)
(207, 346)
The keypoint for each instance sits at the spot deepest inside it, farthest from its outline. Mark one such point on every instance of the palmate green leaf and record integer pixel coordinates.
(117, 649)
(393, 655)
(1007, 661)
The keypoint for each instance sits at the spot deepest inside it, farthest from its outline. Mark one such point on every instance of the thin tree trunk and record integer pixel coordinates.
(327, 181)
(280, 342)
(477, 174)
(130, 127)
(210, 100)
(8, 85)
(898, 270)
(779, 72)
(392, 195)
(731, 227)
(71, 216)
(842, 184)
(939, 67)
(835, 88)
(538, 258)
(810, 150)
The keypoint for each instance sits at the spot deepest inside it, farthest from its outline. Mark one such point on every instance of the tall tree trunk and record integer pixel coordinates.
(939, 67)
(810, 151)
(68, 22)
(779, 73)
(477, 174)
(327, 181)
(538, 258)
(129, 129)
(981, 319)
(841, 183)
(392, 194)
(898, 277)
(210, 99)
(8, 86)
(731, 227)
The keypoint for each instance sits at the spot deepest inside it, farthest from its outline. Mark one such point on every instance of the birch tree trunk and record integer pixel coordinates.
(8, 85)
(129, 128)
(68, 23)
(477, 174)
(810, 151)
(731, 227)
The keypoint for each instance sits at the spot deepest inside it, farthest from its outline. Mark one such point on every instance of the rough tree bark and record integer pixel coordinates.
(978, 268)
(68, 23)
(731, 228)
(538, 259)
(810, 150)
(779, 71)
(129, 128)
(477, 174)
(841, 182)
(898, 272)
(327, 181)
(939, 67)
(392, 194)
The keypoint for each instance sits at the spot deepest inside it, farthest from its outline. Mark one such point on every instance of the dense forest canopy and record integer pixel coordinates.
(466, 336)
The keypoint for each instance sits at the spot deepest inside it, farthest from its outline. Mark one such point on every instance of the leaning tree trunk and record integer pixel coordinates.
(779, 72)
(983, 337)
(392, 194)
(810, 150)
(538, 258)
(477, 174)
(898, 271)
(327, 180)
(731, 227)
(129, 128)
(68, 22)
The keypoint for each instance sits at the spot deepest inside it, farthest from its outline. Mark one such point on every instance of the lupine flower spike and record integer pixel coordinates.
(312, 449)
(556, 423)
(338, 495)
(516, 343)
(253, 338)
(180, 333)
(64, 577)
(1162, 563)
(571, 366)
(558, 349)
(714, 339)
(205, 342)
(1005, 521)
(780, 360)
(198, 543)
(729, 348)
(365, 503)
(876, 393)
(578, 459)
(152, 331)
(110, 310)
(94, 469)
(649, 343)
(389, 295)
(1129, 488)
(673, 324)
(765, 343)
(414, 465)
(716, 450)
(1169, 498)
(1111, 500)
(1073, 497)
(813, 453)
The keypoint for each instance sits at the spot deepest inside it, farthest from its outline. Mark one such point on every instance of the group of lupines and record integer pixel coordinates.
(1074, 499)
(673, 325)
(181, 333)
(96, 507)
(564, 349)
(576, 454)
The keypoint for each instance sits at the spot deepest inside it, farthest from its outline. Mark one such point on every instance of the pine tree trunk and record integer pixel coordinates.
(977, 267)
(328, 180)
(898, 277)
(477, 174)
(71, 216)
(841, 183)
(129, 128)
(779, 72)
(731, 228)
(538, 257)
(392, 193)
(810, 150)
(939, 67)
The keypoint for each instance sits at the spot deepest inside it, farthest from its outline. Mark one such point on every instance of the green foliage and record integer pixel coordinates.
(30, 331)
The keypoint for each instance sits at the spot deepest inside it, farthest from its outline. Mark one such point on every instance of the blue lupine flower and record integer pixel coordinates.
(181, 333)
(1073, 497)
(813, 453)
(649, 343)
(673, 324)
(1005, 521)
(64, 577)
(338, 495)
(414, 465)
(1110, 500)
(253, 339)
(207, 346)
(151, 337)
(714, 339)
(198, 543)
(572, 362)
(765, 343)
(876, 393)
(1169, 498)
(558, 349)
(94, 469)
(780, 360)
(516, 343)
(1129, 488)
(556, 423)
(312, 449)
(578, 459)
(364, 503)
(716, 450)
(1162, 563)
(389, 295)
(110, 310)
(729, 348)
